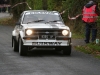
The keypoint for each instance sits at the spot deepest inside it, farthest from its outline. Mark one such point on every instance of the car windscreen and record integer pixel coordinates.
(31, 17)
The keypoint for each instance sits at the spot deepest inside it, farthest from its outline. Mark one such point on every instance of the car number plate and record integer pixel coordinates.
(47, 37)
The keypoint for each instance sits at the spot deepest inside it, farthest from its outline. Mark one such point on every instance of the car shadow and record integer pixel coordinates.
(45, 53)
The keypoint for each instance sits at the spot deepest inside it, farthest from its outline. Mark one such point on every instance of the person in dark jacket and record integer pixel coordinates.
(1, 5)
(5, 3)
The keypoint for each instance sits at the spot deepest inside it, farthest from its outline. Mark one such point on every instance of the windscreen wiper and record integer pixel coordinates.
(35, 21)
(53, 21)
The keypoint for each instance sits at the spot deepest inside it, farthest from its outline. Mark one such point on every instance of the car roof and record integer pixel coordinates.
(40, 11)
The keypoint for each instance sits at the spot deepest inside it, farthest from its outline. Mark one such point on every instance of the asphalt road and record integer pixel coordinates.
(43, 62)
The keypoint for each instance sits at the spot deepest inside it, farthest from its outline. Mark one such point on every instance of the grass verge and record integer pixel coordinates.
(76, 35)
(90, 48)
(7, 21)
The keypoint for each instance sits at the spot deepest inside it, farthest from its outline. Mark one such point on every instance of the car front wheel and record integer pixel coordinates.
(14, 45)
(22, 48)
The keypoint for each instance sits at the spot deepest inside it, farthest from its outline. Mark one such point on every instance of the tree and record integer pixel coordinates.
(18, 8)
(44, 4)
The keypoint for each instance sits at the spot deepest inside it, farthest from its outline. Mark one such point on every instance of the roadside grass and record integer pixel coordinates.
(90, 48)
(7, 21)
(76, 35)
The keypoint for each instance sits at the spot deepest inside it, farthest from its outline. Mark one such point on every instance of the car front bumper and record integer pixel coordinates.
(47, 42)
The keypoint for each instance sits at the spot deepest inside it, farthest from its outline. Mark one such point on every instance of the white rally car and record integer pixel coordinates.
(41, 29)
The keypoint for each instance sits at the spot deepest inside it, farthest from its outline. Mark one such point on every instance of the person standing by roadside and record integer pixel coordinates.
(90, 14)
(5, 8)
(1, 5)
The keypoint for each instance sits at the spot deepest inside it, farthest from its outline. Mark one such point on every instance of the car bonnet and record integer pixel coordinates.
(44, 25)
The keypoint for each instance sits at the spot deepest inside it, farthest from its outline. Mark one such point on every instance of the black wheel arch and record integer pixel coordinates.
(14, 38)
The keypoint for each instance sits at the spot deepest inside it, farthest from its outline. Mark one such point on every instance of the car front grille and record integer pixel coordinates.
(47, 34)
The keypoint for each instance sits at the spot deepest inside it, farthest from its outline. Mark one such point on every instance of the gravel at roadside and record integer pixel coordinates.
(76, 42)
(4, 15)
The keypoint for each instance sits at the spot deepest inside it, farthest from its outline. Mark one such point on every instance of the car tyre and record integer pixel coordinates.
(67, 50)
(14, 45)
(22, 48)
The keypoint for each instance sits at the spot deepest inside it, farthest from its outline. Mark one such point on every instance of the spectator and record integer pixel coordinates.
(6, 3)
(90, 14)
(1, 5)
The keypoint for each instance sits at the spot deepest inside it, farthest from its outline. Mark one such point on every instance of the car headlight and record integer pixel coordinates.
(29, 32)
(65, 32)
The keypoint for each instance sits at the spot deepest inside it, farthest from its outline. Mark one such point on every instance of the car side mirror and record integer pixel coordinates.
(17, 23)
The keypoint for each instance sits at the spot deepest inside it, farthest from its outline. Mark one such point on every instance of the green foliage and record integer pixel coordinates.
(76, 35)
(37, 4)
(17, 9)
(73, 8)
(7, 21)
(50, 4)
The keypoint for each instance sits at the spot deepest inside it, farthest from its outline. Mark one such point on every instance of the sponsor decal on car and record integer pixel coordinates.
(47, 43)
(51, 13)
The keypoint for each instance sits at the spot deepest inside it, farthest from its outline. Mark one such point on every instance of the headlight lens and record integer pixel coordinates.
(65, 32)
(29, 32)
